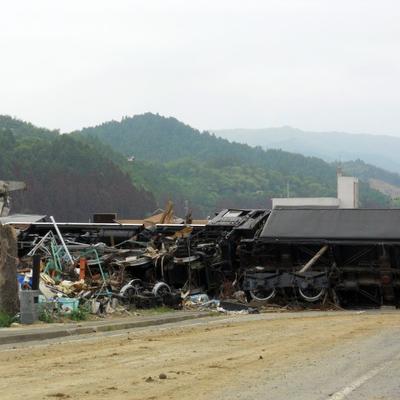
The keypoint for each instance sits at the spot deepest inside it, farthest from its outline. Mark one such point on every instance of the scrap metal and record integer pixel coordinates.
(296, 256)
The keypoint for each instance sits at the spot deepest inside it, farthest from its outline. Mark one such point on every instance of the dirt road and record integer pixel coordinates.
(241, 357)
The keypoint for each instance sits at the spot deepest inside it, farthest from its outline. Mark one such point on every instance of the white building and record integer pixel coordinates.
(347, 191)
(347, 196)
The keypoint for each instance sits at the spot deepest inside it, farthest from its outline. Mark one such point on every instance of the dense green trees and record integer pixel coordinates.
(173, 160)
(367, 171)
(72, 176)
(66, 177)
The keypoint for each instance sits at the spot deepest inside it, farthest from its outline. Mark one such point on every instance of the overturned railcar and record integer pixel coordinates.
(350, 256)
(208, 259)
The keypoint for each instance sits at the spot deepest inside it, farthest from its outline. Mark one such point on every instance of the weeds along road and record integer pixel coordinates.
(309, 356)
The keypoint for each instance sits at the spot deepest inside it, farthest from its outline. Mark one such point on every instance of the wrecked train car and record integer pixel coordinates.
(75, 232)
(126, 259)
(351, 256)
(204, 259)
(307, 255)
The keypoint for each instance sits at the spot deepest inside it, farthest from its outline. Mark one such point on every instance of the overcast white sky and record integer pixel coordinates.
(312, 64)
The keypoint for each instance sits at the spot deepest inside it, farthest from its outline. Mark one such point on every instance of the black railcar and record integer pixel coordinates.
(351, 256)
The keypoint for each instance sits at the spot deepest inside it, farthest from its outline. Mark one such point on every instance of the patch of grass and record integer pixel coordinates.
(80, 314)
(49, 315)
(5, 320)
(46, 315)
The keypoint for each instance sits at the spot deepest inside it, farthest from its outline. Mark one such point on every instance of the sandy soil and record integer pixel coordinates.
(198, 361)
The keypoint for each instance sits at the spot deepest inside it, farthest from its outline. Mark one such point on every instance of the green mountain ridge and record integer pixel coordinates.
(74, 175)
(173, 160)
(66, 177)
(366, 172)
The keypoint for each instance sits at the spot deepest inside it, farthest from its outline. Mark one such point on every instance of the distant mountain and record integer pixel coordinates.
(366, 172)
(66, 177)
(380, 150)
(173, 160)
(135, 165)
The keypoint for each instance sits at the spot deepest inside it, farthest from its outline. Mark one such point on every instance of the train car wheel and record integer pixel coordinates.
(262, 294)
(161, 289)
(311, 294)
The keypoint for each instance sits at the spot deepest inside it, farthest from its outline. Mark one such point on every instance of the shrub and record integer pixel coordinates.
(46, 315)
(80, 314)
(5, 320)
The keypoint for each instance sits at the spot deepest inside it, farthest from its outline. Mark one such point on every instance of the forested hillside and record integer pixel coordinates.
(66, 177)
(72, 176)
(367, 171)
(151, 137)
(173, 160)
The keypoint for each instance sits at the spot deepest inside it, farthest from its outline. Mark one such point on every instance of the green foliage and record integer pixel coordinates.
(371, 198)
(25, 129)
(80, 314)
(68, 177)
(366, 171)
(47, 315)
(151, 137)
(50, 314)
(175, 161)
(71, 176)
(5, 320)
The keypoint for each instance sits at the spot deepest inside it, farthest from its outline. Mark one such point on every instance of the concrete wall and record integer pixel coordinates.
(347, 196)
(305, 202)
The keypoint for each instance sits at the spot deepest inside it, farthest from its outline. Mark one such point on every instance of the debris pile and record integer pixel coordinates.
(141, 264)
(240, 258)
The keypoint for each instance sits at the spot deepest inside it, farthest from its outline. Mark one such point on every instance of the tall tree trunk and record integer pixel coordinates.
(9, 302)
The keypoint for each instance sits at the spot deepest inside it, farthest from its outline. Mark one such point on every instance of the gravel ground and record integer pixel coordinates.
(315, 356)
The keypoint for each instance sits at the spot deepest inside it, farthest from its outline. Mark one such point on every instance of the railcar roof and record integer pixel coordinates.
(332, 224)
